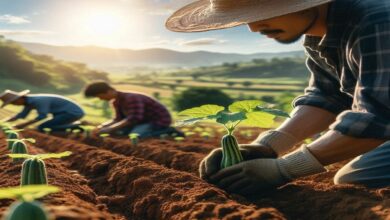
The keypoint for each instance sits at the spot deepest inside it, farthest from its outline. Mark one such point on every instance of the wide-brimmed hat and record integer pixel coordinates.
(8, 96)
(205, 15)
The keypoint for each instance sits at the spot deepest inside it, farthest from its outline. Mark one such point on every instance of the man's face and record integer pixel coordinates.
(286, 29)
(107, 96)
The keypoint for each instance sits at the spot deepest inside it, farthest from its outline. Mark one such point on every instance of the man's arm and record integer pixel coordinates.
(26, 124)
(334, 146)
(115, 126)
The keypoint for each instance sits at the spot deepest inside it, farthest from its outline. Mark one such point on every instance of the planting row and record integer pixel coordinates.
(76, 200)
(150, 191)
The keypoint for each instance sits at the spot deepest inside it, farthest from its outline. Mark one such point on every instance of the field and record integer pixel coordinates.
(109, 178)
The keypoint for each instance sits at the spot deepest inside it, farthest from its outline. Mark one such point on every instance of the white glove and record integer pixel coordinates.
(280, 142)
(263, 174)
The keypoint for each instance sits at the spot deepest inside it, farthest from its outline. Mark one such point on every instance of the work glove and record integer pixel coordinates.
(211, 164)
(259, 175)
(280, 142)
(265, 146)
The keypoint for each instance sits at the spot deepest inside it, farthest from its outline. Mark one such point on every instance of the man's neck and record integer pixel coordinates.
(319, 28)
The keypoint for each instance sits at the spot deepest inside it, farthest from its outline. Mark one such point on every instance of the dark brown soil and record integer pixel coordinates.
(76, 200)
(142, 189)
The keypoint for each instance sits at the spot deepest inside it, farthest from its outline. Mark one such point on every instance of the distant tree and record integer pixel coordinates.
(156, 95)
(193, 97)
(172, 87)
(179, 81)
(247, 83)
(230, 84)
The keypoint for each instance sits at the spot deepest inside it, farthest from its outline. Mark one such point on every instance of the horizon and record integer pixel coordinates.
(122, 24)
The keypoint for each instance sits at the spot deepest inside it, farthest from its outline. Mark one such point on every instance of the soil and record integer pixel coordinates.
(157, 179)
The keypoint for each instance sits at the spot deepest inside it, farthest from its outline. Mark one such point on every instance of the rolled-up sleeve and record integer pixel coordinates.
(323, 91)
(370, 113)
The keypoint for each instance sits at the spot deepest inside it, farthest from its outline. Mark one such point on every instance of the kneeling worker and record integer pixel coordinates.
(65, 112)
(135, 112)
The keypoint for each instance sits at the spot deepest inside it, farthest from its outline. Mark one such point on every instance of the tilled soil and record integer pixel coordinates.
(139, 183)
(76, 201)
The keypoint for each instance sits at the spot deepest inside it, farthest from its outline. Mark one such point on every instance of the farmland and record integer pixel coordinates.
(158, 179)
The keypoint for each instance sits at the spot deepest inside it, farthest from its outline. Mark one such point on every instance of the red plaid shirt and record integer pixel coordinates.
(140, 109)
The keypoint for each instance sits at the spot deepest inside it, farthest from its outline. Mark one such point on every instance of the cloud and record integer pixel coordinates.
(157, 7)
(11, 19)
(202, 42)
(23, 32)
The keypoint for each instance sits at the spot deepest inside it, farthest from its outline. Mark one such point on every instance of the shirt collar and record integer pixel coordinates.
(337, 19)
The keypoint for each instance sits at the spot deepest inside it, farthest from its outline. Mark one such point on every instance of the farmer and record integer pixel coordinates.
(65, 112)
(348, 48)
(135, 112)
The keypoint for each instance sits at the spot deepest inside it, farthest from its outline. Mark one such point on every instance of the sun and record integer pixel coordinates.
(103, 24)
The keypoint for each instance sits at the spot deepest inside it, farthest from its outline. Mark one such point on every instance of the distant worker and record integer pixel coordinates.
(65, 112)
(135, 112)
(348, 97)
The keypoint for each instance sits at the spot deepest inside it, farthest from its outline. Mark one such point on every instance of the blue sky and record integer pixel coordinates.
(134, 24)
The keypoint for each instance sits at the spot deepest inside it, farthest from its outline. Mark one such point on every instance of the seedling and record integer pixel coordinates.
(12, 135)
(179, 139)
(104, 135)
(26, 208)
(87, 130)
(20, 147)
(68, 130)
(16, 142)
(134, 138)
(76, 132)
(47, 130)
(249, 113)
(33, 168)
(206, 135)
(189, 133)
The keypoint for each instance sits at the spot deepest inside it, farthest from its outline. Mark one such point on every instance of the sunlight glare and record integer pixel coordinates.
(103, 24)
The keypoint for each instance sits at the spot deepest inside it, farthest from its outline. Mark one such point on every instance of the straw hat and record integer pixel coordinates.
(205, 15)
(8, 96)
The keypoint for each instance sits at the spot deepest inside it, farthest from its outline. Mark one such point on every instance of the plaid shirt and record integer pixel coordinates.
(350, 68)
(139, 109)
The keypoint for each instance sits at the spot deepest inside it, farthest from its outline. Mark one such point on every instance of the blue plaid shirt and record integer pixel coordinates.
(350, 68)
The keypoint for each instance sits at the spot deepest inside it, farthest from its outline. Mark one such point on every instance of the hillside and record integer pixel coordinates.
(20, 69)
(122, 60)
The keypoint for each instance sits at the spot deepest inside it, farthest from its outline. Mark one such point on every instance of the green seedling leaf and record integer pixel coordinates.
(202, 111)
(104, 135)
(13, 131)
(189, 133)
(76, 131)
(41, 156)
(27, 193)
(275, 112)
(259, 119)
(179, 138)
(133, 136)
(226, 117)
(52, 155)
(31, 140)
(244, 106)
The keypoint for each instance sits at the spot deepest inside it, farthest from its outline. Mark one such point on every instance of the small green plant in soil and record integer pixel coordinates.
(179, 139)
(87, 130)
(104, 135)
(206, 135)
(20, 147)
(33, 168)
(12, 135)
(189, 133)
(25, 208)
(249, 113)
(5, 126)
(76, 132)
(47, 130)
(134, 138)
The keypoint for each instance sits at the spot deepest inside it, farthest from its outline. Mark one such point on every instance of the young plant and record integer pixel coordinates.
(87, 130)
(11, 136)
(206, 135)
(179, 139)
(47, 130)
(20, 147)
(26, 208)
(104, 135)
(249, 113)
(189, 133)
(76, 132)
(33, 168)
(134, 138)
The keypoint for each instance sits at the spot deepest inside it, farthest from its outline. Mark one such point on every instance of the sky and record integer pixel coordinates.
(132, 24)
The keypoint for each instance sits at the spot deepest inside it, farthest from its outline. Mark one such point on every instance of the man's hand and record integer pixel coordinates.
(258, 175)
(212, 163)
